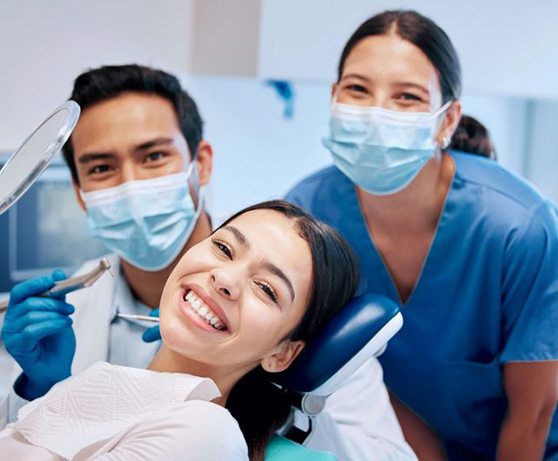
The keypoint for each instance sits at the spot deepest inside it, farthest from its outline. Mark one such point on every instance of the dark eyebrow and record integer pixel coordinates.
(238, 235)
(153, 143)
(86, 158)
(398, 84)
(279, 273)
(361, 77)
(413, 85)
(241, 238)
(89, 157)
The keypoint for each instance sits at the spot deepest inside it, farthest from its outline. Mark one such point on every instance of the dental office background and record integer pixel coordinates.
(261, 73)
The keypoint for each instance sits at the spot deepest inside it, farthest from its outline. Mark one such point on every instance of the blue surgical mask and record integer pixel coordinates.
(381, 150)
(146, 222)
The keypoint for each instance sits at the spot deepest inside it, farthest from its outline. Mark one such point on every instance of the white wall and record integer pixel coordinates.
(507, 47)
(507, 122)
(258, 154)
(542, 159)
(45, 44)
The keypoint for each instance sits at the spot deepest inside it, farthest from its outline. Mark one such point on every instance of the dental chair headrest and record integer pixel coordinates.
(358, 332)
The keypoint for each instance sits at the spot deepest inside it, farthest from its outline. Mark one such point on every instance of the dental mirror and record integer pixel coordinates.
(35, 153)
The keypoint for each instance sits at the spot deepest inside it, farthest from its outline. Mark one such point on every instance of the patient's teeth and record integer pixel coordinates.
(199, 308)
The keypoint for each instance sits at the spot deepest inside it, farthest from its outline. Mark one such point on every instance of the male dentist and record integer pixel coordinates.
(135, 157)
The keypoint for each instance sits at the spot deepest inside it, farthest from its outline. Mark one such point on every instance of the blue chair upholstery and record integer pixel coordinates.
(357, 333)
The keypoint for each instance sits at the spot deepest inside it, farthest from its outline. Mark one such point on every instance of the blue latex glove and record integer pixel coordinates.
(153, 333)
(38, 334)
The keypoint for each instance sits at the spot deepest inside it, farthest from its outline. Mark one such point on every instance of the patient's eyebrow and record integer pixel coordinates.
(270, 267)
(239, 236)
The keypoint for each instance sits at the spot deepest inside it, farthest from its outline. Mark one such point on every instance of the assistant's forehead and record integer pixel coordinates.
(390, 56)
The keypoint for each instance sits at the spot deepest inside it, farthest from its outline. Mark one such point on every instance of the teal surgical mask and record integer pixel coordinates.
(382, 150)
(146, 222)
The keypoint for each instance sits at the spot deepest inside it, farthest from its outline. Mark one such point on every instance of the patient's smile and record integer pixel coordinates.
(202, 311)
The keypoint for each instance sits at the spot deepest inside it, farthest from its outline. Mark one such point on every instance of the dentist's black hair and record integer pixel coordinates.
(259, 406)
(107, 82)
(422, 32)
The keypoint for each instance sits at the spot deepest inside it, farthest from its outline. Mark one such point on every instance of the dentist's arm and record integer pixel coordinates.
(38, 334)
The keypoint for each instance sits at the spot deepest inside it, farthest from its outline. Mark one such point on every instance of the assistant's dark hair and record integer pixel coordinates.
(422, 32)
(471, 136)
(107, 82)
(260, 407)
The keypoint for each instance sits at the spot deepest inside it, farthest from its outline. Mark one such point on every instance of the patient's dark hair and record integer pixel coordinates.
(107, 82)
(260, 407)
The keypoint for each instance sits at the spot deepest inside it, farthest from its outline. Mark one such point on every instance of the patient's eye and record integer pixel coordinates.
(268, 290)
(223, 248)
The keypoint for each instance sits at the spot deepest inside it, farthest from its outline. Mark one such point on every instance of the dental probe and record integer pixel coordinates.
(146, 318)
(72, 284)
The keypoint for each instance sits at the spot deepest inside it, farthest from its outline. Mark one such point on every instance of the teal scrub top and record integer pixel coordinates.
(487, 295)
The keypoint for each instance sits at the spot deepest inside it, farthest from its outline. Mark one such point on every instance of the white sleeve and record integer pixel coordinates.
(10, 402)
(195, 430)
(358, 422)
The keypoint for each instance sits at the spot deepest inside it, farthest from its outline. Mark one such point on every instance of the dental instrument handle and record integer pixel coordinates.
(72, 284)
(145, 318)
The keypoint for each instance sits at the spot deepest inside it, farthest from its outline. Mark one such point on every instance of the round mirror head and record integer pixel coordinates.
(35, 153)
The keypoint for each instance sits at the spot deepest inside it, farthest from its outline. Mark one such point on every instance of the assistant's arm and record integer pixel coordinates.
(530, 354)
(532, 392)
(420, 436)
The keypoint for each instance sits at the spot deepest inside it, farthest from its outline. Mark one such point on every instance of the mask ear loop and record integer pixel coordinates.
(196, 191)
(446, 140)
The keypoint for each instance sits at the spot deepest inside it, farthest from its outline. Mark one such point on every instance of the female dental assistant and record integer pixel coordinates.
(468, 249)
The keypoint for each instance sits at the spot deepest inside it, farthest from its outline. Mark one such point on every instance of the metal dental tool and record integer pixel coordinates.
(72, 284)
(146, 318)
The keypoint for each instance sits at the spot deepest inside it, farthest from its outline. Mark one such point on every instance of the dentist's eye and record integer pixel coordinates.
(223, 248)
(154, 156)
(98, 169)
(267, 290)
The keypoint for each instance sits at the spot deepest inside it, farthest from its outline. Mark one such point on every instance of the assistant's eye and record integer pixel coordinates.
(357, 88)
(223, 248)
(268, 290)
(409, 97)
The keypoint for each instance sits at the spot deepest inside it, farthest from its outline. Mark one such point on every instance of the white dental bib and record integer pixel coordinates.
(78, 415)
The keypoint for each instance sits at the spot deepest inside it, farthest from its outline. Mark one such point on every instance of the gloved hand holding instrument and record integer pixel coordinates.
(37, 329)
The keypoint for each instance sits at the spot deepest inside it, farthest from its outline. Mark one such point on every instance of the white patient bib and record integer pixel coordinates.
(102, 401)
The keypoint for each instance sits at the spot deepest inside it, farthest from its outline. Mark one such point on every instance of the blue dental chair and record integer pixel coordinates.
(357, 333)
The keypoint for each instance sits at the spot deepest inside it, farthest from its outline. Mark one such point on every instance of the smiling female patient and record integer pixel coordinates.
(238, 305)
